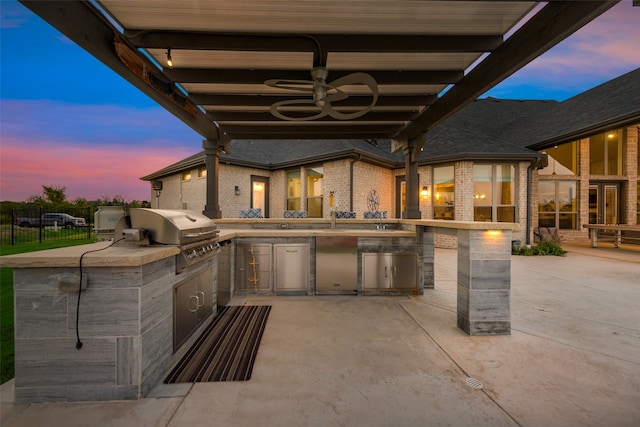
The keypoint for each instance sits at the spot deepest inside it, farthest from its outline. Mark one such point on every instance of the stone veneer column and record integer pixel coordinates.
(484, 282)
(428, 257)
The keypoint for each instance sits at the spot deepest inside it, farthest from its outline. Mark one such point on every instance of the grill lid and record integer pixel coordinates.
(173, 226)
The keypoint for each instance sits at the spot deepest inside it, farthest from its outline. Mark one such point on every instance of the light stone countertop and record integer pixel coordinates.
(130, 255)
(231, 233)
(119, 255)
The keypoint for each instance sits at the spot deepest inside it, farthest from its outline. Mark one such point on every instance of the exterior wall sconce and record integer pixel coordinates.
(237, 191)
(425, 192)
(157, 187)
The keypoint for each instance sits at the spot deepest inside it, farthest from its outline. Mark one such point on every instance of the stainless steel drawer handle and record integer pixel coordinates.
(191, 300)
(200, 304)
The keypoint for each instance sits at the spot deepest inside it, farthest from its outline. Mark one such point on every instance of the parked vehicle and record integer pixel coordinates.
(52, 219)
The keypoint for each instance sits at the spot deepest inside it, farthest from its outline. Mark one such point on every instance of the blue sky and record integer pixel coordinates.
(67, 120)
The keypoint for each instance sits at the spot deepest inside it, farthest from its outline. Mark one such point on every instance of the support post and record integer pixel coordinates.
(484, 282)
(412, 206)
(212, 150)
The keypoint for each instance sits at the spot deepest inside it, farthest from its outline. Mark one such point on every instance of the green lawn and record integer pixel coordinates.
(6, 299)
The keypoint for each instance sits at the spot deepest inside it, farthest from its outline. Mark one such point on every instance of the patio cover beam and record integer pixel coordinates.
(310, 43)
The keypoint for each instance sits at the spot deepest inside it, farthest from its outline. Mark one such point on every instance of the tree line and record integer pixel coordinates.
(55, 198)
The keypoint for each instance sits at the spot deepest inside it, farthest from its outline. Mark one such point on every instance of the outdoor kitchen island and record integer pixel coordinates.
(127, 320)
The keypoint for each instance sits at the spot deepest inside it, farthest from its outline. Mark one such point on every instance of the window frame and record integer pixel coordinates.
(557, 212)
(495, 205)
(315, 199)
(294, 202)
(448, 207)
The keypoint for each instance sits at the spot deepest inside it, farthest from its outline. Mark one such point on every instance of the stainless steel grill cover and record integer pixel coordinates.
(174, 227)
(194, 233)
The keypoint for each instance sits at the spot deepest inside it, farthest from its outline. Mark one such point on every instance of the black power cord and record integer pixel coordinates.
(79, 342)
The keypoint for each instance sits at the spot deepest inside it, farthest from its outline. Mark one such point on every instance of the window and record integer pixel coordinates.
(494, 193)
(443, 192)
(314, 192)
(557, 204)
(293, 190)
(563, 160)
(186, 176)
(605, 153)
(202, 173)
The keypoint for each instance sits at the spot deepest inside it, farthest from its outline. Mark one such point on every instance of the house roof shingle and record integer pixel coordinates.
(615, 103)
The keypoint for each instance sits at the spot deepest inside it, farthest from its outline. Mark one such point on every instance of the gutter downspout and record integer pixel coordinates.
(528, 220)
(538, 163)
(351, 180)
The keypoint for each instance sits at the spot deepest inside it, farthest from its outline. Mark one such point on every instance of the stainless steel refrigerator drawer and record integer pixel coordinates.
(336, 265)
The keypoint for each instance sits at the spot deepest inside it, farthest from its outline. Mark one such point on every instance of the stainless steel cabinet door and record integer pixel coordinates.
(205, 294)
(385, 271)
(185, 316)
(291, 266)
(376, 271)
(253, 267)
(404, 271)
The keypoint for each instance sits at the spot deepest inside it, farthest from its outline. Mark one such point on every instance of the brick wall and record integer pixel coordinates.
(336, 179)
(463, 172)
(367, 177)
(631, 170)
(426, 180)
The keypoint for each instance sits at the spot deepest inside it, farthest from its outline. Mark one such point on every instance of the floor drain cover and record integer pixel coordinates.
(472, 382)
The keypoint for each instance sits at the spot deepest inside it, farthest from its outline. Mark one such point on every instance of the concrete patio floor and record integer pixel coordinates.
(572, 359)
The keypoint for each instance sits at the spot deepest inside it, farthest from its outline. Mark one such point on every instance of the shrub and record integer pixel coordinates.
(542, 248)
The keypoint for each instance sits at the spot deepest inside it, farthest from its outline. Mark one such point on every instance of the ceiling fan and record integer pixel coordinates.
(323, 94)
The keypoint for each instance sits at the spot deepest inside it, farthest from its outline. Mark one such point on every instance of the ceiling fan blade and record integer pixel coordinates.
(274, 110)
(291, 84)
(323, 94)
(354, 79)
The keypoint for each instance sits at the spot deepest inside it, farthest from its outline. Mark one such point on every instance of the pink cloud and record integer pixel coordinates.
(87, 172)
(92, 150)
(604, 49)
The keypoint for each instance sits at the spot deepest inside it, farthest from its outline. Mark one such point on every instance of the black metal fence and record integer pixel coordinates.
(19, 226)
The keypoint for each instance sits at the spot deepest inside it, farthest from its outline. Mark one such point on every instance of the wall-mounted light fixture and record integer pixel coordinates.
(425, 192)
(157, 187)
(237, 191)
(169, 60)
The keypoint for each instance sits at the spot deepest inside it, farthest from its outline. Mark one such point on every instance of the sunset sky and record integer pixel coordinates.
(67, 120)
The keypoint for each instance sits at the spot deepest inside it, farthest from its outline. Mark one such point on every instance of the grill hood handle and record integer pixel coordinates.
(201, 234)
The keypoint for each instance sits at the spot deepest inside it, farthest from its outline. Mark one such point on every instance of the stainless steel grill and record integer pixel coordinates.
(194, 233)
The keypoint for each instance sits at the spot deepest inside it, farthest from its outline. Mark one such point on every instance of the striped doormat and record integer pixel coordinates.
(226, 350)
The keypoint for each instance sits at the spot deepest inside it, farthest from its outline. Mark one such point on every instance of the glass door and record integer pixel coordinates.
(260, 194)
(604, 204)
(611, 203)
